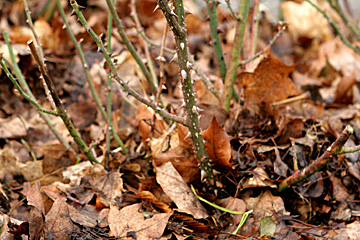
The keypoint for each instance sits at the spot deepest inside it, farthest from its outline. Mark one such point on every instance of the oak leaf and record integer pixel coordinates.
(270, 82)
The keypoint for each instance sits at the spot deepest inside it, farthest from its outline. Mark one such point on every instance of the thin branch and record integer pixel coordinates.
(130, 47)
(349, 23)
(176, 21)
(116, 76)
(254, 28)
(88, 77)
(215, 35)
(59, 107)
(343, 39)
(146, 47)
(161, 63)
(228, 92)
(21, 91)
(335, 149)
(282, 27)
(27, 91)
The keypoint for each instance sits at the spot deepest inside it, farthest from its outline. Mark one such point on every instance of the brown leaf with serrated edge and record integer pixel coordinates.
(217, 144)
(270, 82)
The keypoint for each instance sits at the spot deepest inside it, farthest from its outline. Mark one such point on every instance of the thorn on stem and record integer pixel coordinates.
(156, 8)
(220, 31)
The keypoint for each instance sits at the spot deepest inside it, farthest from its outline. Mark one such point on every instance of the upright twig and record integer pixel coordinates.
(343, 39)
(161, 63)
(235, 55)
(39, 48)
(349, 23)
(153, 85)
(175, 17)
(116, 76)
(88, 77)
(146, 47)
(254, 28)
(31, 25)
(215, 35)
(108, 92)
(59, 107)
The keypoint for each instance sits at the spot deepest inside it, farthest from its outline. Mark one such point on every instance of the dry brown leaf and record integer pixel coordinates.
(58, 224)
(82, 114)
(269, 204)
(12, 128)
(217, 144)
(49, 36)
(5, 234)
(289, 128)
(21, 34)
(56, 156)
(168, 141)
(195, 224)
(31, 170)
(130, 219)
(184, 141)
(183, 160)
(343, 92)
(234, 204)
(145, 118)
(339, 56)
(8, 161)
(260, 179)
(270, 82)
(148, 196)
(110, 185)
(208, 112)
(176, 188)
(204, 95)
(35, 200)
(340, 193)
(85, 216)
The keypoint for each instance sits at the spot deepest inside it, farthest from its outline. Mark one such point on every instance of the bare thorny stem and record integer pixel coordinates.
(175, 17)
